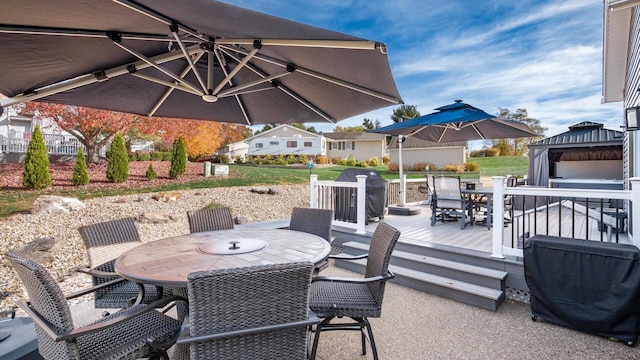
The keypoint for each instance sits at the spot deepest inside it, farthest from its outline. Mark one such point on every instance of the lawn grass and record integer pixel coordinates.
(15, 201)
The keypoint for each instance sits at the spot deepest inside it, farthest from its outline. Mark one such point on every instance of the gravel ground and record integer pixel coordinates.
(69, 251)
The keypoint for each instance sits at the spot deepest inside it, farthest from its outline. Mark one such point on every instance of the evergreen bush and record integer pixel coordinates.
(156, 156)
(303, 159)
(351, 161)
(374, 161)
(166, 156)
(36, 164)
(80, 175)
(178, 159)
(117, 160)
(151, 174)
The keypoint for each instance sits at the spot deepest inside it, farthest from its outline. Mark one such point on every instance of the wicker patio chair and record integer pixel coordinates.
(258, 312)
(106, 241)
(316, 222)
(210, 219)
(447, 202)
(136, 332)
(358, 299)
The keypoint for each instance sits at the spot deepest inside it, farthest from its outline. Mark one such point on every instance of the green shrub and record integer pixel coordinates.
(238, 159)
(143, 156)
(151, 174)
(362, 164)
(303, 159)
(291, 159)
(249, 159)
(471, 166)
(374, 161)
(386, 159)
(351, 161)
(36, 164)
(133, 156)
(342, 162)
(80, 175)
(117, 160)
(156, 156)
(224, 159)
(178, 159)
(166, 156)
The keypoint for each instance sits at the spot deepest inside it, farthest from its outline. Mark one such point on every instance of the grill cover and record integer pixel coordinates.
(376, 199)
(585, 285)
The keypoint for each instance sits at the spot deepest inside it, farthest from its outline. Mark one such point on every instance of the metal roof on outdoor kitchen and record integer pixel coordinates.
(584, 133)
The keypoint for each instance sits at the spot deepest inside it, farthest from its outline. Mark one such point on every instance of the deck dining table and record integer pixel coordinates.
(167, 262)
(475, 194)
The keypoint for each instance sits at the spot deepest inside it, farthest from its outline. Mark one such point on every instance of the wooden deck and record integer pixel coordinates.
(417, 229)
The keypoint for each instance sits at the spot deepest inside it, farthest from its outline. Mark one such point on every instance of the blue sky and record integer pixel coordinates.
(543, 56)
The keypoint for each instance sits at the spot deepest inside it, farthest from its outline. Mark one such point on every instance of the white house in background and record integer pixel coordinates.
(361, 145)
(287, 140)
(234, 150)
(421, 151)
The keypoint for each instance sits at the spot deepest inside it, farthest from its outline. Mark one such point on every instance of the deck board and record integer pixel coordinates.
(417, 229)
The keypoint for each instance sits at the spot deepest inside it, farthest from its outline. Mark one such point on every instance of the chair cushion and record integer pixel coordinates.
(342, 299)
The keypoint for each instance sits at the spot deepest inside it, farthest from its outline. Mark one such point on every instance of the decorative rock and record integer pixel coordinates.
(47, 204)
(38, 250)
(167, 197)
(241, 219)
(157, 218)
(262, 190)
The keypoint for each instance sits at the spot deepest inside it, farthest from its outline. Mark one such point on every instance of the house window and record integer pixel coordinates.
(258, 145)
(308, 144)
(292, 144)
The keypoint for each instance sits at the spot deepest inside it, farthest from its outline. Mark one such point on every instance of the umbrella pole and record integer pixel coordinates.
(403, 192)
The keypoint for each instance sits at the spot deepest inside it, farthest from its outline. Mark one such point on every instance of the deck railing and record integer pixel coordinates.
(569, 207)
(346, 199)
(56, 144)
(417, 191)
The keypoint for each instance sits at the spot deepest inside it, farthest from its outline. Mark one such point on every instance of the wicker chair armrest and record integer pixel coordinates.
(348, 257)
(97, 273)
(90, 329)
(388, 276)
(86, 291)
(186, 338)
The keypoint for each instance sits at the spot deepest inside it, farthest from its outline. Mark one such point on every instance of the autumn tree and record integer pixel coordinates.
(36, 164)
(404, 112)
(92, 127)
(357, 128)
(518, 146)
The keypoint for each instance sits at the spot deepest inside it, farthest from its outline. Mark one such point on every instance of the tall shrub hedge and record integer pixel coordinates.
(36, 164)
(178, 159)
(117, 160)
(80, 175)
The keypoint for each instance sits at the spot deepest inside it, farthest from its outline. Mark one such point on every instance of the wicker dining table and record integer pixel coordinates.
(167, 262)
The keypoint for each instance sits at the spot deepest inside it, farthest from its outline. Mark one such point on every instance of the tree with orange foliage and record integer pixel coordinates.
(200, 137)
(92, 127)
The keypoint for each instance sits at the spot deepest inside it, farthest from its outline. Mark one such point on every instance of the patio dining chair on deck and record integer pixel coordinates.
(137, 332)
(258, 312)
(316, 222)
(106, 241)
(210, 219)
(358, 299)
(448, 203)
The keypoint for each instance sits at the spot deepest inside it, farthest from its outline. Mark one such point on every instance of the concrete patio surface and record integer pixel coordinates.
(416, 325)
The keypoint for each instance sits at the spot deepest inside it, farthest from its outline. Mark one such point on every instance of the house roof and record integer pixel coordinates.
(353, 135)
(617, 32)
(414, 143)
(586, 132)
(289, 126)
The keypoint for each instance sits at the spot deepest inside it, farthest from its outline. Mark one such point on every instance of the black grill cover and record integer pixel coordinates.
(345, 206)
(585, 285)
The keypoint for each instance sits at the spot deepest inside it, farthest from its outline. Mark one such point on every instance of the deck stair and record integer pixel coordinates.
(469, 284)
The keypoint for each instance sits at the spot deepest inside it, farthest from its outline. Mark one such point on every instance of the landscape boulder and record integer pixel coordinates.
(157, 218)
(262, 190)
(38, 250)
(47, 204)
(167, 196)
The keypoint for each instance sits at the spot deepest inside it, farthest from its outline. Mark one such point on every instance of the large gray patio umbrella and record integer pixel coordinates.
(196, 59)
(453, 123)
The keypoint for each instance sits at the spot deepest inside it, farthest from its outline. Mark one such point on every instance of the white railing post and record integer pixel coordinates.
(498, 216)
(634, 216)
(362, 204)
(314, 191)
